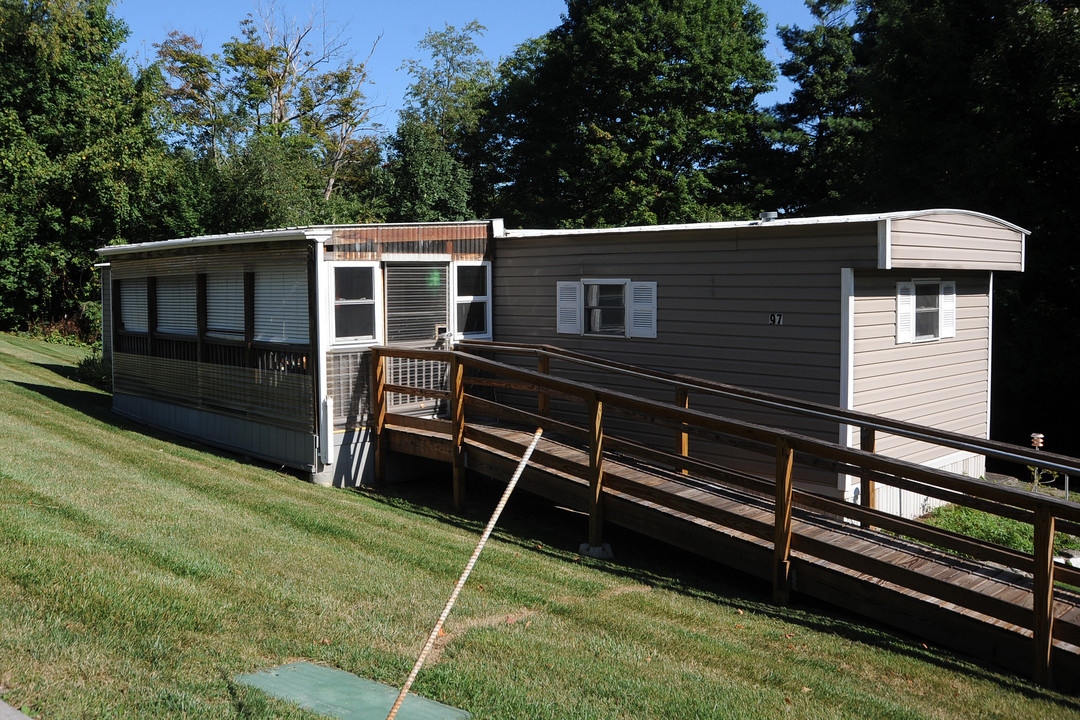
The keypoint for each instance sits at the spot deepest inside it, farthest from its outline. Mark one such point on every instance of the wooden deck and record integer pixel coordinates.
(931, 596)
(1003, 607)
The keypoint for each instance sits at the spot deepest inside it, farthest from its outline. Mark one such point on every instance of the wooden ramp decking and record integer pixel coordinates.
(906, 585)
(994, 603)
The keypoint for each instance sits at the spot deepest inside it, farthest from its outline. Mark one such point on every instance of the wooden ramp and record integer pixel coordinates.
(989, 602)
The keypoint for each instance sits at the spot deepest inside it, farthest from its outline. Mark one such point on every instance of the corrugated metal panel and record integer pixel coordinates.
(176, 305)
(281, 305)
(273, 396)
(292, 447)
(416, 302)
(459, 241)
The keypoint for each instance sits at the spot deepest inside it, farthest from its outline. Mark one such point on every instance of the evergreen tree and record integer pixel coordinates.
(636, 112)
(824, 125)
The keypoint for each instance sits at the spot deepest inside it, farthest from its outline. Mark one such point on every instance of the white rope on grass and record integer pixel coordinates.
(465, 574)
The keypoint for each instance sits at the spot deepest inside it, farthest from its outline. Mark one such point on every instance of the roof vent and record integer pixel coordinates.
(767, 216)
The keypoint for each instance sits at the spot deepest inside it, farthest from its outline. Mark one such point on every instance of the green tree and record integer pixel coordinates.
(977, 105)
(635, 112)
(273, 181)
(447, 92)
(824, 125)
(81, 160)
(427, 182)
(201, 115)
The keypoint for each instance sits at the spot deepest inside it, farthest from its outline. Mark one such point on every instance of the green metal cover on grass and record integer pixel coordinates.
(340, 694)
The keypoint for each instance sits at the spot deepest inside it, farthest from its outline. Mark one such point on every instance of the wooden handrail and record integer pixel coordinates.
(1042, 511)
(807, 408)
(824, 449)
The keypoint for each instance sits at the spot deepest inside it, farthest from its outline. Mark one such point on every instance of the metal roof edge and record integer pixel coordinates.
(732, 224)
(274, 234)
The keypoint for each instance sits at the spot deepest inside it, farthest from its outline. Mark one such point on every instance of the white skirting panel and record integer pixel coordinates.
(912, 505)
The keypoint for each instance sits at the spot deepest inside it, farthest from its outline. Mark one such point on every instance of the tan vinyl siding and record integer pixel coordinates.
(941, 383)
(715, 294)
(955, 241)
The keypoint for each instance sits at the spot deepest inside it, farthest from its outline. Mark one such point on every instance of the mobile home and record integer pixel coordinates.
(258, 342)
(887, 314)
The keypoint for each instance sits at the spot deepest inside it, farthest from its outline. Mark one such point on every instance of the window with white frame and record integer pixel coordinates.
(355, 289)
(925, 310)
(610, 307)
(472, 299)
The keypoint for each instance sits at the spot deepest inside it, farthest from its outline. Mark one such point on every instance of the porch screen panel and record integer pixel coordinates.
(225, 304)
(176, 305)
(416, 302)
(281, 305)
(133, 304)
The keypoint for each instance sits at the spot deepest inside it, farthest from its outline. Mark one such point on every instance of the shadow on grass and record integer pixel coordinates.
(97, 405)
(538, 525)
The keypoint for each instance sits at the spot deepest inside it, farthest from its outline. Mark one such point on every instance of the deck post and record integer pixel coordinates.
(682, 438)
(378, 413)
(457, 429)
(543, 400)
(596, 471)
(867, 488)
(1043, 594)
(782, 528)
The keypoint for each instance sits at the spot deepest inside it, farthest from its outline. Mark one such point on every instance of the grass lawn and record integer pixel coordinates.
(139, 574)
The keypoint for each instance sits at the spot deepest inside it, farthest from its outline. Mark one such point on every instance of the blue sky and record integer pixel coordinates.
(401, 24)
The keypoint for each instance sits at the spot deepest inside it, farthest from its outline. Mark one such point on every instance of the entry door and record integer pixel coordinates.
(417, 310)
(417, 304)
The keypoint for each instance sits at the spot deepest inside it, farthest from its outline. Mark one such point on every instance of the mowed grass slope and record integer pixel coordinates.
(139, 574)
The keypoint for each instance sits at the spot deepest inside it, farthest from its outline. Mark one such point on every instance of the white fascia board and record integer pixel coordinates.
(415, 257)
(782, 222)
(278, 234)
(205, 240)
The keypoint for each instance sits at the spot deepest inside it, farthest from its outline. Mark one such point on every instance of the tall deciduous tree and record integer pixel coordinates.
(81, 160)
(447, 90)
(634, 112)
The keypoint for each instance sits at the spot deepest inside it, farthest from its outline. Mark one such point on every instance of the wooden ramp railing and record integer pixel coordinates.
(611, 464)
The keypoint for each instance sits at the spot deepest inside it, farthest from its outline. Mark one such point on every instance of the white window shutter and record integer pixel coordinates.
(642, 309)
(569, 308)
(947, 305)
(905, 312)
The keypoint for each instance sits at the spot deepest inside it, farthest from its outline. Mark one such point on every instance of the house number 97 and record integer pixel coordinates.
(776, 319)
